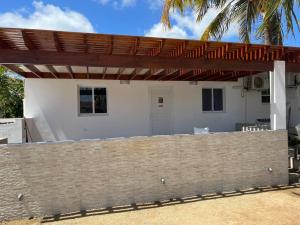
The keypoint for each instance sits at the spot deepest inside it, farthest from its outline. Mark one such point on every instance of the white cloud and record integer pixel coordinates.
(118, 3)
(158, 30)
(103, 2)
(186, 26)
(128, 2)
(47, 16)
(155, 4)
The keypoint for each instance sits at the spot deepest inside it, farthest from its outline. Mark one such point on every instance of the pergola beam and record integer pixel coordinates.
(37, 57)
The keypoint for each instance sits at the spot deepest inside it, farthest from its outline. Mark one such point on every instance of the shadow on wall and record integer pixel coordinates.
(32, 133)
(156, 204)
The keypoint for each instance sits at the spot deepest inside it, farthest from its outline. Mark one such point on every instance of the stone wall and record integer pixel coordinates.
(13, 130)
(70, 176)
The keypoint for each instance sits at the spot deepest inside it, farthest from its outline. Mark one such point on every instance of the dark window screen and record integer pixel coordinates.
(265, 96)
(86, 100)
(207, 99)
(100, 100)
(218, 99)
(265, 99)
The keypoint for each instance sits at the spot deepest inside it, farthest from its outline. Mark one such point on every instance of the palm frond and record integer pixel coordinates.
(173, 4)
(219, 25)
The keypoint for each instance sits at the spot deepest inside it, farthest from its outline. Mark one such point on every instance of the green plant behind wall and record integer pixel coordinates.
(11, 95)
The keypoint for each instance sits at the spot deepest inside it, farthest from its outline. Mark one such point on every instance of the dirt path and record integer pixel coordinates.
(274, 207)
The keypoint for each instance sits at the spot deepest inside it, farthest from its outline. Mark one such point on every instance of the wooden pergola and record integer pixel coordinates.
(69, 55)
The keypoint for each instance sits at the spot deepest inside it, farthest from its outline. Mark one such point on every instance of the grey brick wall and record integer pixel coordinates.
(71, 176)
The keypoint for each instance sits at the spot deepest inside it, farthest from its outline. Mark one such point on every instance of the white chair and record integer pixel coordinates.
(294, 133)
(201, 130)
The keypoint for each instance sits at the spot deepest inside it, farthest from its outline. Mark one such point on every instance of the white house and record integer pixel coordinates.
(84, 86)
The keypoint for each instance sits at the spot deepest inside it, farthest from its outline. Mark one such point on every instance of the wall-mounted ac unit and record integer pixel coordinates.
(247, 83)
(292, 80)
(257, 82)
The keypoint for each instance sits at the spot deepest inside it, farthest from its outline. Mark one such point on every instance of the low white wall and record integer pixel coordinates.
(13, 129)
(53, 105)
(81, 175)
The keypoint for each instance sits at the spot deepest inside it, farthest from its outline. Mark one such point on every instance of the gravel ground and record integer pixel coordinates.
(267, 208)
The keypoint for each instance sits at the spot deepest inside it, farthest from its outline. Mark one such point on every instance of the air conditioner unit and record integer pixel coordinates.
(292, 80)
(260, 82)
(247, 83)
(257, 82)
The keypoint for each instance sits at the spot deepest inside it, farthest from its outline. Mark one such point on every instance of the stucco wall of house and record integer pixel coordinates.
(53, 106)
(63, 177)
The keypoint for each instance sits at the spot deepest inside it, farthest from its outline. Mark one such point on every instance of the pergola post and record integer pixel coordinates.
(278, 96)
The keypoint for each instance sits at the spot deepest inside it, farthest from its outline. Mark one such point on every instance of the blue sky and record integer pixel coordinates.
(131, 17)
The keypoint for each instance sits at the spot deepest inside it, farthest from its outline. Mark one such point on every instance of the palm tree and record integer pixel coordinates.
(274, 18)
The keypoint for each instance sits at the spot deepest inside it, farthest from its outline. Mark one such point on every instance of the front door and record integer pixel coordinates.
(161, 108)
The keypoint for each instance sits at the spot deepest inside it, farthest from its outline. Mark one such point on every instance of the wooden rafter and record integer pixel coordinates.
(198, 52)
(135, 73)
(15, 69)
(182, 73)
(104, 72)
(154, 73)
(53, 71)
(160, 47)
(135, 46)
(58, 45)
(196, 73)
(179, 50)
(168, 74)
(34, 70)
(110, 46)
(120, 72)
(29, 43)
(4, 42)
(70, 71)
(86, 44)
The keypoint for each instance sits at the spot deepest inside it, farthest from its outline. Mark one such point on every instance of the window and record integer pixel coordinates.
(265, 96)
(212, 99)
(92, 100)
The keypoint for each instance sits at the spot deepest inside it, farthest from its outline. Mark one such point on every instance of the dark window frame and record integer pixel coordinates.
(212, 96)
(93, 113)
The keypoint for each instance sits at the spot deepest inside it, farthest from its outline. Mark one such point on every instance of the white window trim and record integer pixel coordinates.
(212, 100)
(93, 113)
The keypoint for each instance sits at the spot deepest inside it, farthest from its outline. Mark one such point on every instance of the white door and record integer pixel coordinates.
(161, 108)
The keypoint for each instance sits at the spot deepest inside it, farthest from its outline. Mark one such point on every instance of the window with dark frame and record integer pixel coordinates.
(212, 100)
(265, 96)
(92, 100)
